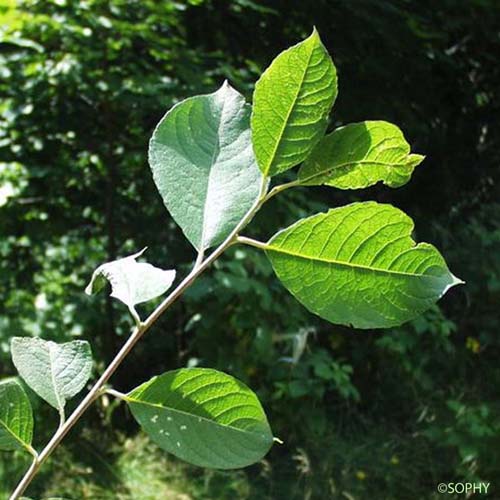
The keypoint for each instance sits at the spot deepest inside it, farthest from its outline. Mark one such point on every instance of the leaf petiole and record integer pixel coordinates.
(280, 188)
(135, 316)
(251, 242)
(116, 394)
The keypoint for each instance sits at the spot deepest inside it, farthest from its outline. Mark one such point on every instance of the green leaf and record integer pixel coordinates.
(291, 103)
(132, 282)
(359, 155)
(56, 372)
(204, 417)
(16, 417)
(357, 265)
(203, 165)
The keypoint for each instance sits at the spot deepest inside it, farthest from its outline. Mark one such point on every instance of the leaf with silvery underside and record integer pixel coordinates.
(358, 265)
(359, 155)
(16, 417)
(204, 417)
(131, 282)
(56, 372)
(291, 103)
(203, 165)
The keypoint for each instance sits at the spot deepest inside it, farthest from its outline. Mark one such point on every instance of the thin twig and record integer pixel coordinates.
(135, 336)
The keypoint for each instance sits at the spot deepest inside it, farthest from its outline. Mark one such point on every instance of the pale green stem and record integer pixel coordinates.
(33, 452)
(280, 188)
(253, 243)
(62, 417)
(135, 315)
(116, 394)
(199, 258)
(140, 329)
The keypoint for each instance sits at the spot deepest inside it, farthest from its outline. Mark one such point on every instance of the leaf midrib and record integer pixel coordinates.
(348, 264)
(349, 164)
(213, 161)
(289, 112)
(181, 412)
(15, 436)
(60, 405)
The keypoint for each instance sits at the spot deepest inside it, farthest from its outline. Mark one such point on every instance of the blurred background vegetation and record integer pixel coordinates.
(364, 415)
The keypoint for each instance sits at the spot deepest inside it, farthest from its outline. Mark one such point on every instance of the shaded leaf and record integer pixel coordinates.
(16, 417)
(360, 155)
(204, 417)
(56, 372)
(203, 165)
(291, 103)
(357, 265)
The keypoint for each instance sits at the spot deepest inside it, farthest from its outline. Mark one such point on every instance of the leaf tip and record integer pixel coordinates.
(96, 282)
(88, 289)
(139, 253)
(226, 88)
(415, 159)
(455, 281)
(315, 36)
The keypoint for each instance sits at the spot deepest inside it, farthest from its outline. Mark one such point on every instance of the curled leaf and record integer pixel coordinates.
(131, 282)
(359, 155)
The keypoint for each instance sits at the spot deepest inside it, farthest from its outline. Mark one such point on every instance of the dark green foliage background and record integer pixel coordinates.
(375, 415)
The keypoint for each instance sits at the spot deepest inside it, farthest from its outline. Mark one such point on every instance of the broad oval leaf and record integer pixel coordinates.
(204, 417)
(291, 103)
(359, 155)
(16, 417)
(358, 265)
(131, 282)
(56, 372)
(203, 165)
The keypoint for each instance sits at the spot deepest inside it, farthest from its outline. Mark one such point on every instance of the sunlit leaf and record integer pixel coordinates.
(360, 155)
(358, 265)
(291, 103)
